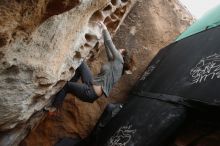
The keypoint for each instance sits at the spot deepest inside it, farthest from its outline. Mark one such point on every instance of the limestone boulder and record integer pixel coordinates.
(41, 44)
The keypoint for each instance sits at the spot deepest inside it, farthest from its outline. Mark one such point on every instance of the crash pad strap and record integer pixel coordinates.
(163, 97)
(173, 99)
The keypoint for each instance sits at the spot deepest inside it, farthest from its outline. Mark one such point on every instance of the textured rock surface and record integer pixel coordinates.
(149, 26)
(40, 51)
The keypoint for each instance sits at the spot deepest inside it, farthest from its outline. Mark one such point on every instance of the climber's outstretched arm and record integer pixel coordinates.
(111, 50)
(110, 47)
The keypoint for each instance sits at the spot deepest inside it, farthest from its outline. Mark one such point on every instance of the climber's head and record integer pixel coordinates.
(129, 63)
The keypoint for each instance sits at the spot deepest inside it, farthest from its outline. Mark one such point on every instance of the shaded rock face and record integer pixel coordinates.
(40, 50)
(149, 26)
(198, 133)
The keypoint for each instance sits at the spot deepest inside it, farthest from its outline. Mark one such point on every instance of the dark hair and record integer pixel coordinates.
(128, 61)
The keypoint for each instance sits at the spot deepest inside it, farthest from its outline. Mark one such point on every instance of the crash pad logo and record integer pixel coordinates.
(208, 68)
(122, 136)
(148, 72)
(150, 69)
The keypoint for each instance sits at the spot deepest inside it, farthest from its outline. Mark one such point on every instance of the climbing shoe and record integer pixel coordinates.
(52, 111)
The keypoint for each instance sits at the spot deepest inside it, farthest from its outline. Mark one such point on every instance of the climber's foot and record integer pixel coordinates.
(52, 111)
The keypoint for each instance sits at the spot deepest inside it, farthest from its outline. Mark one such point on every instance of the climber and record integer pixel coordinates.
(92, 88)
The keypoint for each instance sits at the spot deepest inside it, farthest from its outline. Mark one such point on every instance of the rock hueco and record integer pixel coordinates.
(42, 43)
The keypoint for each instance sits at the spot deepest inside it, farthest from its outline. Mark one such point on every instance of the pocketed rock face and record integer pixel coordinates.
(22, 17)
(150, 25)
(39, 52)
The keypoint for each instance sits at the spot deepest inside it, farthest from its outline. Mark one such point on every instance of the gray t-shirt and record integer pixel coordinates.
(112, 70)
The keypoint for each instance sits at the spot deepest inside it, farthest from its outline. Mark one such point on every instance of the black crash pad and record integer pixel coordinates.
(189, 68)
(142, 122)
